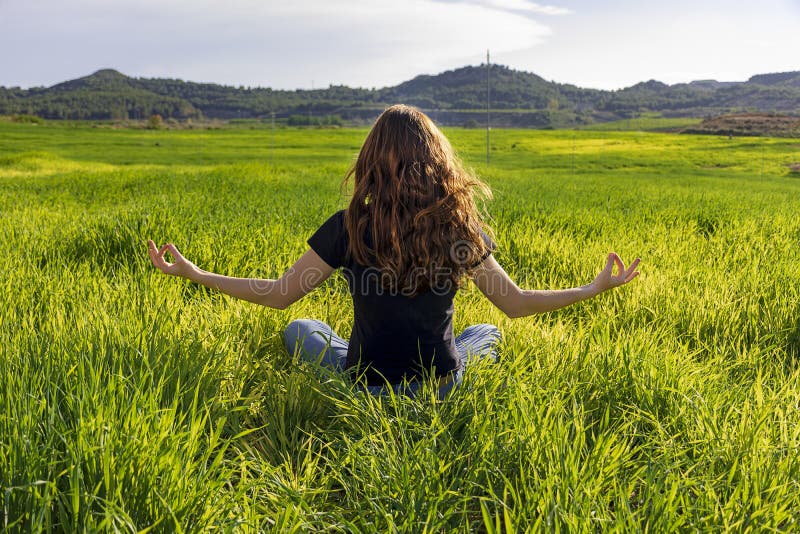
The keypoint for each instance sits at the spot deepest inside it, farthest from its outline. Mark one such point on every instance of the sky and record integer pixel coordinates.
(302, 44)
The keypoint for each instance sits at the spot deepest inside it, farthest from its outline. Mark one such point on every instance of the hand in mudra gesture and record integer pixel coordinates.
(180, 266)
(608, 280)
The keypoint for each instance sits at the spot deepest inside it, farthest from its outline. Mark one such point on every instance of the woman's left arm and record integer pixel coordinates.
(498, 287)
(306, 274)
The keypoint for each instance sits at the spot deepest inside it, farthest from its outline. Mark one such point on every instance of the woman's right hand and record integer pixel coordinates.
(181, 266)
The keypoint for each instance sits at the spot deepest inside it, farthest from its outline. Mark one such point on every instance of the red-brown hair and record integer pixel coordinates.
(414, 198)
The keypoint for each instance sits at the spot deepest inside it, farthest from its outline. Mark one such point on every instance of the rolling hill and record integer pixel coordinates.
(455, 97)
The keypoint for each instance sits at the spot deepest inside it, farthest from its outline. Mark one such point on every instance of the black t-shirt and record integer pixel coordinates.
(394, 336)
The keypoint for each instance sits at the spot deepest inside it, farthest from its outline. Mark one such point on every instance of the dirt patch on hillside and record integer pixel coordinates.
(753, 124)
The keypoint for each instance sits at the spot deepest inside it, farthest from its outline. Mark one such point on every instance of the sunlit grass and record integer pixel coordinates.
(133, 401)
(645, 124)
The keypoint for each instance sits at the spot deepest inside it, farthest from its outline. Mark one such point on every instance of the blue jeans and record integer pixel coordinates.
(315, 342)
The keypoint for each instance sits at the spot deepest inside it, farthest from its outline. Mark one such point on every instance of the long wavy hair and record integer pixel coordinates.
(413, 213)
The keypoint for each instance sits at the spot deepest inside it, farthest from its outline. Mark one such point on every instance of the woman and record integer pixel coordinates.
(411, 235)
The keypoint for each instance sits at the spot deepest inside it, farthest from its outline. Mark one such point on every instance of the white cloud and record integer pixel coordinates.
(279, 44)
(522, 6)
(289, 43)
(673, 42)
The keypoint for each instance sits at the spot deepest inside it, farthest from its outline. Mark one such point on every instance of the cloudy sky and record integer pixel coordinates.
(291, 44)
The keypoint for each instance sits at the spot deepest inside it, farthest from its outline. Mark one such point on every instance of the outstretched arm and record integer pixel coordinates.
(306, 274)
(493, 282)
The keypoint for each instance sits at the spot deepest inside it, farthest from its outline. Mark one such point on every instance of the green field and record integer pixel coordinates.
(131, 400)
(649, 124)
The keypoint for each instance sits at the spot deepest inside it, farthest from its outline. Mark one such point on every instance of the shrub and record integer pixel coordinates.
(305, 120)
(155, 122)
(27, 119)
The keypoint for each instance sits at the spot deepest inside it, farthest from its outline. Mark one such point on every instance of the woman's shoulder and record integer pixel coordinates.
(330, 240)
(335, 220)
(337, 217)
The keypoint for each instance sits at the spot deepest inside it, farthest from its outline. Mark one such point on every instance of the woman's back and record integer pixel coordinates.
(410, 235)
(396, 333)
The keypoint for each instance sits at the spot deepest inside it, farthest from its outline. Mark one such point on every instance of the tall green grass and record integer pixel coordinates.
(132, 401)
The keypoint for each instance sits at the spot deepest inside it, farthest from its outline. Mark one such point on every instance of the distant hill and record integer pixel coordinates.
(790, 79)
(455, 97)
(710, 84)
(106, 94)
(769, 124)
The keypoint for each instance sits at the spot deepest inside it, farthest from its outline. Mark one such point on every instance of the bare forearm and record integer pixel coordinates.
(307, 273)
(261, 291)
(527, 302)
(498, 287)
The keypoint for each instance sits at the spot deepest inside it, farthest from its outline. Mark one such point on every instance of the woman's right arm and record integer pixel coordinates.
(498, 287)
(307, 273)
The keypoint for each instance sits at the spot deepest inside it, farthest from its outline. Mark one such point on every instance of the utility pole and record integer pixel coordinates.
(272, 143)
(488, 123)
(573, 152)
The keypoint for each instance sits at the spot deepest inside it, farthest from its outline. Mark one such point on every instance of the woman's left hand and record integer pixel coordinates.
(608, 280)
